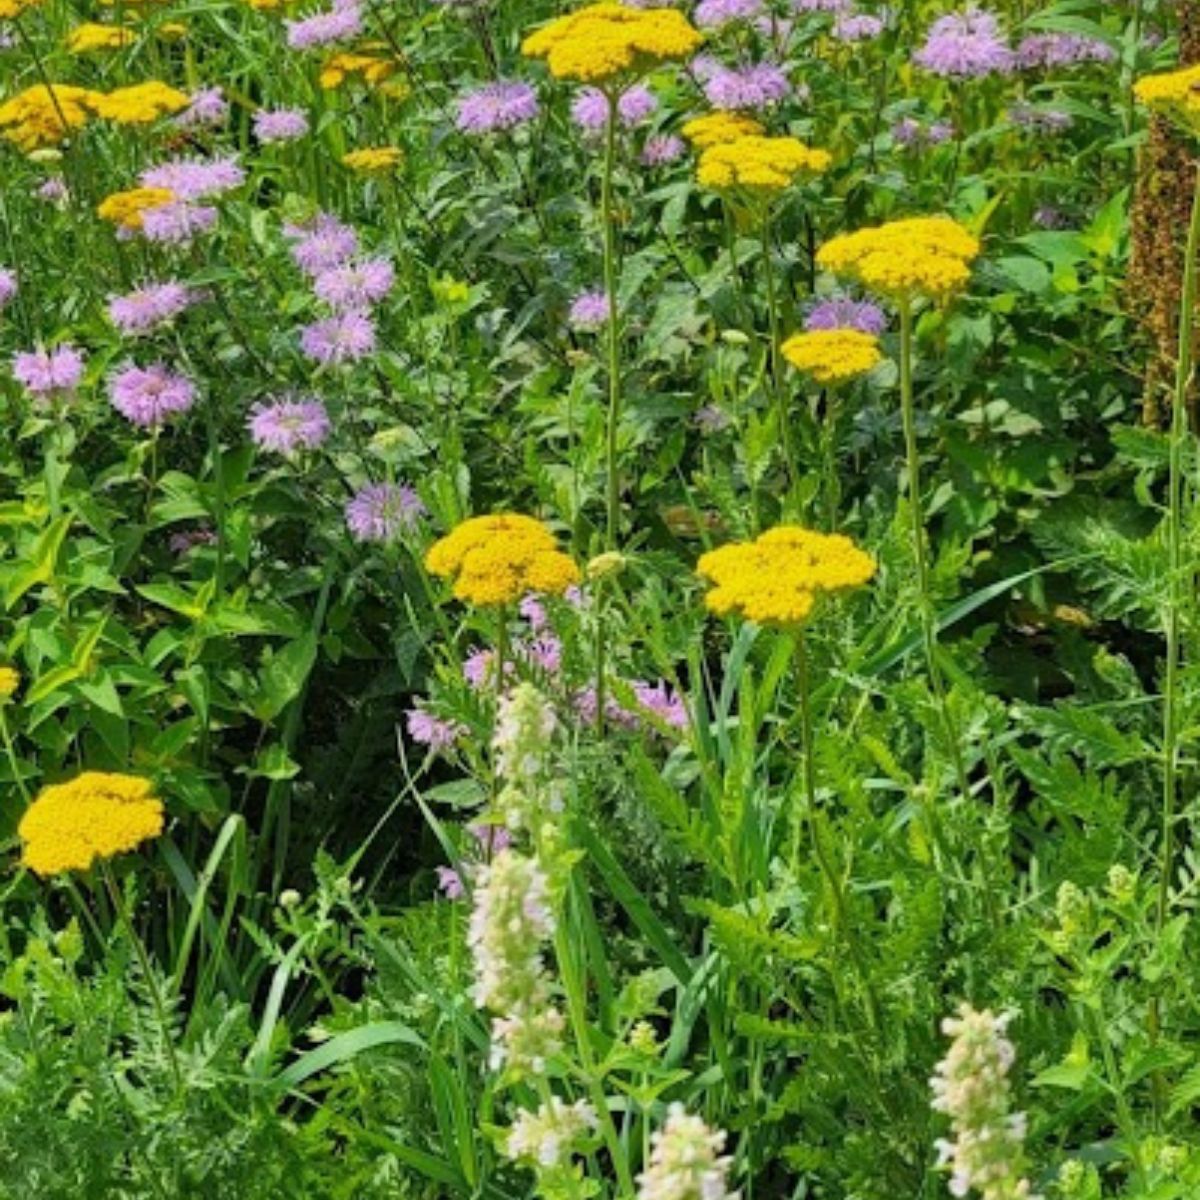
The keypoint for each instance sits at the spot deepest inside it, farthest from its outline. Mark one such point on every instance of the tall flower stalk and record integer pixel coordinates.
(613, 340)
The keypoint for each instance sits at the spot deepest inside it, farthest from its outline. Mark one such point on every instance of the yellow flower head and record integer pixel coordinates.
(373, 69)
(722, 126)
(44, 116)
(140, 104)
(776, 579)
(602, 42)
(1175, 93)
(375, 160)
(94, 816)
(125, 208)
(759, 164)
(85, 39)
(499, 559)
(921, 256)
(10, 10)
(833, 355)
(171, 31)
(10, 680)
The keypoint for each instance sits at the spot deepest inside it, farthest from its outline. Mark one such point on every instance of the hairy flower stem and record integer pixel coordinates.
(777, 388)
(837, 889)
(928, 617)
(1177, 593)
(160, 1009)
(614, 334)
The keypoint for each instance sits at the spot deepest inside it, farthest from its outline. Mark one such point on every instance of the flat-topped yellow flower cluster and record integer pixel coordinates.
(833, 355)
(714, 128)
(499, 559)
(605, 42)
(777, 578)
(759, 164)
(1176, 93)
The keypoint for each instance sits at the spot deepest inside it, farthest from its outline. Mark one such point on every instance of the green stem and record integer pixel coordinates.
(613, 331)
(777, 388)
(11, 752)
(1176, 593)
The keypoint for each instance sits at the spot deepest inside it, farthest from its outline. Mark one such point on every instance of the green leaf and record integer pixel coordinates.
(284, 677)
(345, 1046)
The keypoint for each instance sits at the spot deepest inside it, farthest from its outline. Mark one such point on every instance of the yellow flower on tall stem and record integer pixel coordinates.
(139, 104)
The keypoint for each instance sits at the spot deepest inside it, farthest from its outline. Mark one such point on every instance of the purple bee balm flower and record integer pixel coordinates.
(189, 539)
(344, 338)
(289, 426)
(842, 313)
(338, 24)
(450, 883)
(381, 512)
(589, 110)
(703, 67)
(147, 396)
(53, 191)
(479, 668)
(753, 87)
(533, 611)
(434, 732)
(497, 106)
(939, 132)
(857, 27)
(663, 702)
(8, 286)
(322, 244)
(965, 45)
(544, 653)
(1040, 120)
(279, 125)
(910, 133)
(712, 14)
(177, 223)
(589, 311)
(356, 285)
(148, 307)
(831, 6)
(208, 108)
(1062, 50)
(195, 179)
(49, 374)
(663, 149)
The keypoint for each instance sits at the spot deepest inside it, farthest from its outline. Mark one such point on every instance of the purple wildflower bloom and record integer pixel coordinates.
(663, 702)
(589, 311)
(338, 24)
(8, 286)
(711, 419)
(497, 106)
(351, 288)
(150, 306)
(1062, 50)
(751, 87)
(857, 27)
(344, 338)
(207, 108)
(712, 14)
(533, 611)
(1050, 217)
(381, 512)
(147, 396)
(53, 191)
(435, 733)
(323, 244)
(195, 179)
(279, 125)
(939, 132)
(188, 539)
(965, 45)
(49, 374)
(910, 133)
(831, 6)
(177, 223)
(663, 149)
(544, 653)
(479, 666)
(450, 883)
(289, 426)
(1040, 120)
(842, 313)
(657, 700)
(590, 108)
(703, 67)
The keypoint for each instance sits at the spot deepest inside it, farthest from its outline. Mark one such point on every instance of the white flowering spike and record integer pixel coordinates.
(525, 727)
(526, 1039)
(686, 1161)
(547, 1138)
(987, 1153)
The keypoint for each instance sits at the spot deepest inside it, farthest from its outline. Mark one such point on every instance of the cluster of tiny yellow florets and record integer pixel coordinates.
(373, 160)
(44, 115)
(92, 817)
(776, 579)
(499, 559)
(759, 164)
(125, 209)
(921, 256)
(833, 355)
(714, 128)
(140, 104)
(373, 69)
(90, 37)
(1173, 92)
(603, 42)
(10, 680)
(10, 10)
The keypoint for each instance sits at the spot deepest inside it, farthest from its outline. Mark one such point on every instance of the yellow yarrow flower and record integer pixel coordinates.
(602, 42)
(125, 208)
(759, 164)
(140, 104)
(833, 355)
(10, 10)
(95, 816)
(88, 38)
(1175, 93)
(714, 128)
(374, 160)
(10, 680)
(43, 116)
(372, 69)
(778, 578)
(499, 559)
(920, 256)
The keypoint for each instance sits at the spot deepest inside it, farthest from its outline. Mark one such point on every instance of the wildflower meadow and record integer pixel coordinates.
(599, 600)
